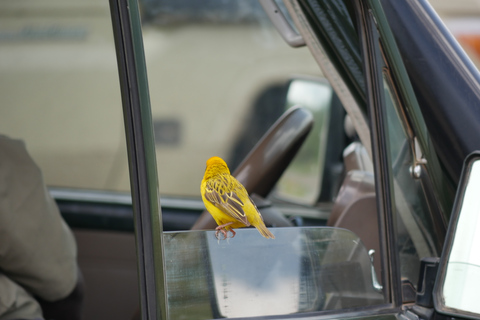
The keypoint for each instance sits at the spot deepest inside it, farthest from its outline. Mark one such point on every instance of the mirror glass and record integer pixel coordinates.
(301, 270)
(462, 277)
(301, 182)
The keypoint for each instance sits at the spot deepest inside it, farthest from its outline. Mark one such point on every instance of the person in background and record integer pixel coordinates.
(39, 275)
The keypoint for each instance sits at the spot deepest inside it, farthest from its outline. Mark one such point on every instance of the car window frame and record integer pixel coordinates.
(412, 121)
(375, 103)
(433, 176)
(128, 38)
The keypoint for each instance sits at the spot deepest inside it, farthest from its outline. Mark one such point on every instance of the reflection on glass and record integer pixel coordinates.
(301, 182)
(462, 278)
(415, 232)
(302, 270)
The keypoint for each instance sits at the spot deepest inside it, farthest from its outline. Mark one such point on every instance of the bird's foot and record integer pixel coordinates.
(224, 231)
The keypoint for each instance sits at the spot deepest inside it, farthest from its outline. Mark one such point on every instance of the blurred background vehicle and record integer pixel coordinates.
(220, 55)
(217, 56)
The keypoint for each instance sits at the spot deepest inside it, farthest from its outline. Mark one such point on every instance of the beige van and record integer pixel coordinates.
(232, 60)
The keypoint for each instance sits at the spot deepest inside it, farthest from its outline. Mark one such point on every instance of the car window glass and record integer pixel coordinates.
(413, 241)
(301, 270)
(415, 234)
(59, 91)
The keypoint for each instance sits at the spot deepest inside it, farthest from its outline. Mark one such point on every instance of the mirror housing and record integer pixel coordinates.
(456, 292)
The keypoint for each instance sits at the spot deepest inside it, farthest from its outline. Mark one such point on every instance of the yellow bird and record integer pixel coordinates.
(228, 201)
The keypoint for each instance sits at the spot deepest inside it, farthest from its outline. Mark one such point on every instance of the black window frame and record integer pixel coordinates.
(374, 52)
(128, 38)
(384, 189)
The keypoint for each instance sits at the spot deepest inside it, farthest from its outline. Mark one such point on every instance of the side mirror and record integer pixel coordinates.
(302, 180)
(458, 280)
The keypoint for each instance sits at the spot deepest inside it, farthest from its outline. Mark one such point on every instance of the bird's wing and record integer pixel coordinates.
(223, 193)
(255, 206)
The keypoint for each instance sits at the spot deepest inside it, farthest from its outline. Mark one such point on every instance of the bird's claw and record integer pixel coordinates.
(222, 228)
(225, 233)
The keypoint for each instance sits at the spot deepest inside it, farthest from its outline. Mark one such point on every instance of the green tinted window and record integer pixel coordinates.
(416, 237)
(414, 228)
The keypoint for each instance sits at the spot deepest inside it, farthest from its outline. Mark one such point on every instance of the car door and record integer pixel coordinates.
(180, 274)
(72, 122)
(415, 211)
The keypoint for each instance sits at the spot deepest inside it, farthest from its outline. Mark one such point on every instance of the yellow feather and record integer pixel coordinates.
(228, 201)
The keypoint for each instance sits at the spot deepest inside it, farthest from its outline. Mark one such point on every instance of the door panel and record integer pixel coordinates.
(109, 265)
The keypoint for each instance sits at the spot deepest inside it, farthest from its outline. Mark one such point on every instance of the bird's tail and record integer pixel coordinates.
(264, 231)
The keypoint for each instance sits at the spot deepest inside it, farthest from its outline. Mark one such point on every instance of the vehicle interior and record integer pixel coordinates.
(270, 113)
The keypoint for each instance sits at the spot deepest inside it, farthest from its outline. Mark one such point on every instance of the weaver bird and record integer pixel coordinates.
(228, 201)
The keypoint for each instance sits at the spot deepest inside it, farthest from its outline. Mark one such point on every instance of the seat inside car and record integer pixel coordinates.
(355, 207)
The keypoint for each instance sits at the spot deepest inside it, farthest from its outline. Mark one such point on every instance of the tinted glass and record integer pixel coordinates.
(415, 233)
(414, 228)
